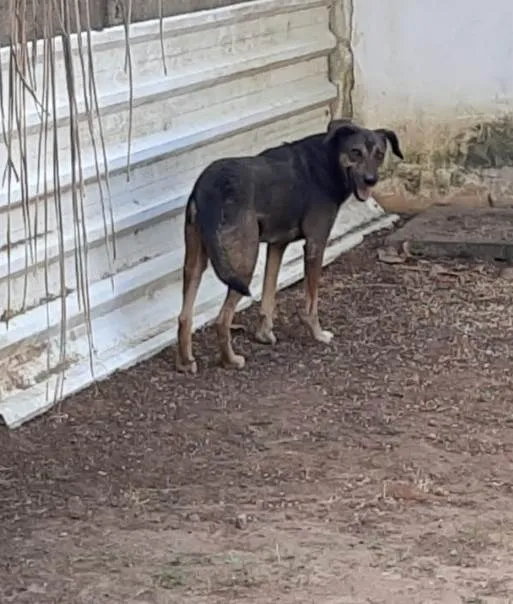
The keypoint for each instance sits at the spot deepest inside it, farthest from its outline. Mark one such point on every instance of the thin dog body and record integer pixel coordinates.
(284, 194)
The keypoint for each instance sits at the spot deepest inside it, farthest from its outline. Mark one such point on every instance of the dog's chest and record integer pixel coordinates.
(279, 224)
(276, 235)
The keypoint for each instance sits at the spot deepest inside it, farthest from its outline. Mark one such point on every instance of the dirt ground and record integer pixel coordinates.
(378, 469)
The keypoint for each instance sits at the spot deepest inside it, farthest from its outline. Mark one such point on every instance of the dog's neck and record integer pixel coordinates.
(329, 175)
(326, 176)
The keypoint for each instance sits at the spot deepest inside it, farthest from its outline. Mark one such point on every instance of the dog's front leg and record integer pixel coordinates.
(264, 333)
(313, 255)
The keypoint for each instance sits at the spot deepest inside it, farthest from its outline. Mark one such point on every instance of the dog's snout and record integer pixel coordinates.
(370, 180)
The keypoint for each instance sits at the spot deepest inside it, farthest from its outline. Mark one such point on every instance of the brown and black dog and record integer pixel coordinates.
(284, 194)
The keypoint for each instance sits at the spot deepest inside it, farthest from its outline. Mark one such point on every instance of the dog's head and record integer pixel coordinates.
(360, 153)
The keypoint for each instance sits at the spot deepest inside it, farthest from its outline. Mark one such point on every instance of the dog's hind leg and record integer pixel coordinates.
(313, 268)
(264, 333)
(224, 324)
(243, 246)
(195, 264)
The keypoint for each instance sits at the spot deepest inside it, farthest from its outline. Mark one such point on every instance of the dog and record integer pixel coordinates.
(284, 194)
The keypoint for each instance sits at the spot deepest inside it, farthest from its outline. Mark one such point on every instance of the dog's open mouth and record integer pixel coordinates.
(362, 193)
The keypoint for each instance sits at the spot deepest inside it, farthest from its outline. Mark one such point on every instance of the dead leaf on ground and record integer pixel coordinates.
(389, 255)
(76, 508)
(405, 491)
(406, 249)
(438, 270)
(507, 273)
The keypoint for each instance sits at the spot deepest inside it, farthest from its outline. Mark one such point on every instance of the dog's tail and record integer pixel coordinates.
(208, 217)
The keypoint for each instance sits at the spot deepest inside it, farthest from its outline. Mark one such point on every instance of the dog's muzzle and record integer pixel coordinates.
(364, 187)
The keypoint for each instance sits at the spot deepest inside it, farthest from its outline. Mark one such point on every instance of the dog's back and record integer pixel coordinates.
(269, 194)
(278, 184)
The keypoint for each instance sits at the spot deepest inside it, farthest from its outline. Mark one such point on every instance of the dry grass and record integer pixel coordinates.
(53, 21)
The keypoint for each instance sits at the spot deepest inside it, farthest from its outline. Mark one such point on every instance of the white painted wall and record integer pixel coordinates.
(431, 67)
(240, 79)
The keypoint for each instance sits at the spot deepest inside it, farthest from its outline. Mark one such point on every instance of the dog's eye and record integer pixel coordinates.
(357, 153)
(379, 155)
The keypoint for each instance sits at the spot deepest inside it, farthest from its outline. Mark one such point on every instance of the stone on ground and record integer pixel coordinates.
(481, 233)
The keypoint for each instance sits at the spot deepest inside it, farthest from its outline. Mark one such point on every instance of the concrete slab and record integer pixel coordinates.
(485, 233)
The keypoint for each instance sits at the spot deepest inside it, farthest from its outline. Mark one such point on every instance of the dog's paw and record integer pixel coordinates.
(324, 337)
(237, 361)
(265, 336)
(190, 367)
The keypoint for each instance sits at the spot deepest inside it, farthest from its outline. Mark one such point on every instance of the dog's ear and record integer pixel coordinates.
(391, 137)
(340, 128)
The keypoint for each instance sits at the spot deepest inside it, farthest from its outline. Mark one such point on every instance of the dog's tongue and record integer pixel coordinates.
(363, 193)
